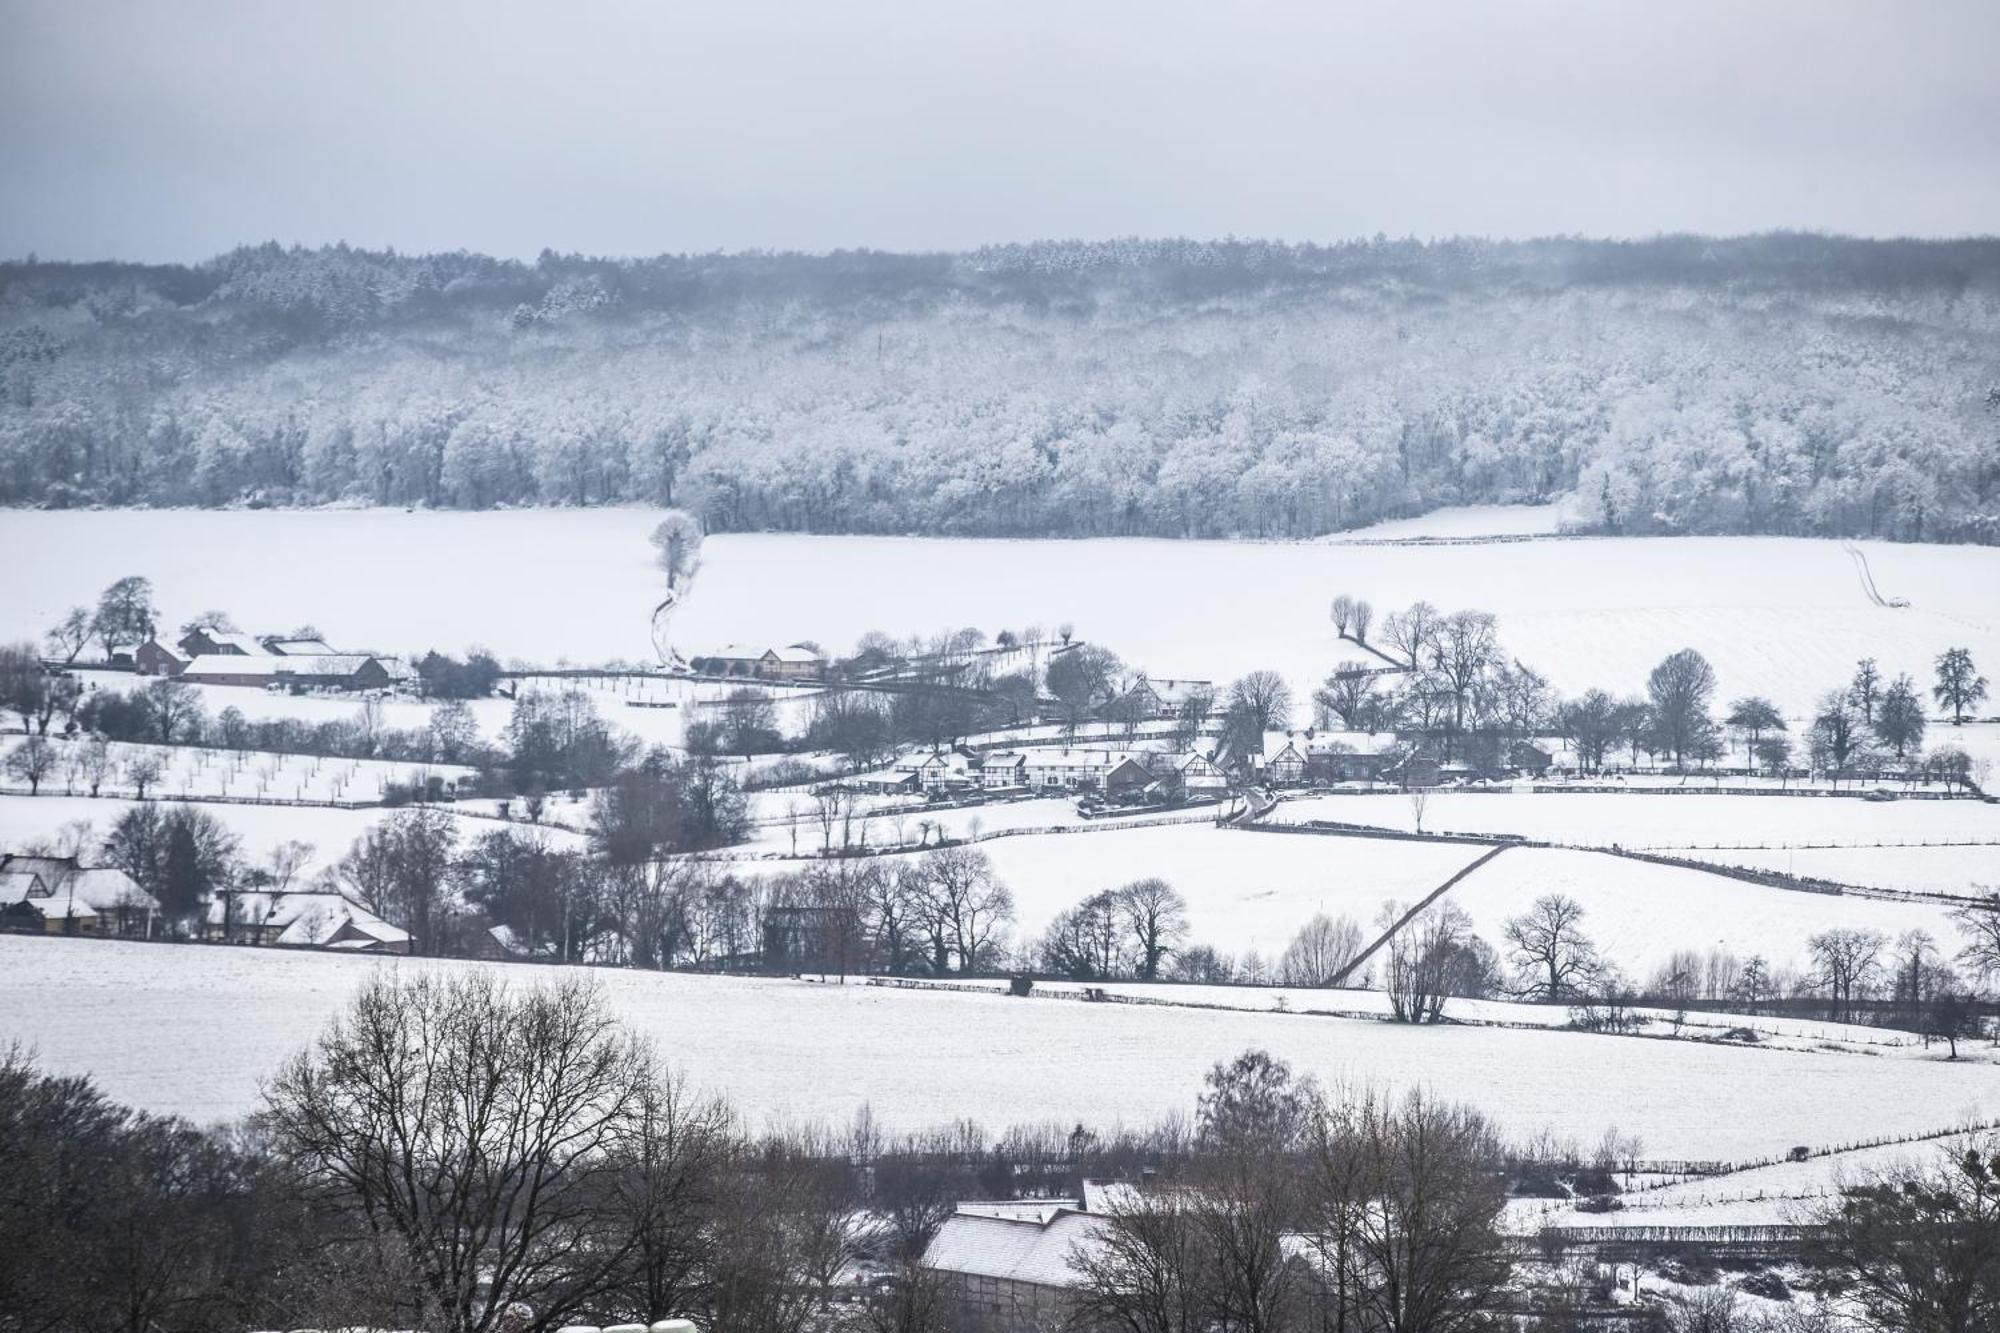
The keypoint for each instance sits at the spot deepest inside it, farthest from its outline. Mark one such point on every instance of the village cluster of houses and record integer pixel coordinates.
(1312, 757)
(59, 895)
(216, 657)
(1114, 773)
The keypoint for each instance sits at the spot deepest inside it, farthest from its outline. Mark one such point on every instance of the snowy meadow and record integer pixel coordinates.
(1783, 616)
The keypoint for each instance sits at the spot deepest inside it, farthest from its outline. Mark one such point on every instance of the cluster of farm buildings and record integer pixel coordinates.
(216, 657)
(59, 895)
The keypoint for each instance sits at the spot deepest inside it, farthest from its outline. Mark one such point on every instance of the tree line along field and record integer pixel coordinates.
(797, 1053)
(1784, 617)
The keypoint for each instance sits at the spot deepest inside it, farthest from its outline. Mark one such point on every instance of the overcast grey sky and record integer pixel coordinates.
(173, 130)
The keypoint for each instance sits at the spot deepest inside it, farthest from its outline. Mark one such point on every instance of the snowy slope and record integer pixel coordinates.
(1782, 616)
(1639, 914)
(1666, 820)
(144, 1020)
(1244, 890)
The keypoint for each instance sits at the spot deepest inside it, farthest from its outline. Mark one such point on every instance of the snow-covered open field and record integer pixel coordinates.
(1781, 616)
(1639, 914)
(148, 1021)
(1244, 890)
(1964, 871)
(1667, 820)
(1251, 891)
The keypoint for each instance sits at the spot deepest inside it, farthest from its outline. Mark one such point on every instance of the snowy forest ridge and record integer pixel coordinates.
(1783, 383)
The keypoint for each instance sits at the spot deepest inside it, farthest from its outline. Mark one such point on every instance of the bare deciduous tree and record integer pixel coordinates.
(1320, 952)
(473, 1131)
(1155, 915)
(1557, 961)
(1845, 964)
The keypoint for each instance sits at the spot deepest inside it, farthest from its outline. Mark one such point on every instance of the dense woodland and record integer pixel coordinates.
(1781, 383)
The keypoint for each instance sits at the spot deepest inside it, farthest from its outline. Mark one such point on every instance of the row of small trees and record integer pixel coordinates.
(1458, 678)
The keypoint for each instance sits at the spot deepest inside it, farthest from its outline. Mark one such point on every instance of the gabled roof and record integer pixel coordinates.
(1171, 691)
(104, 888)
(173, 650)
(20, 885)
(1019, 1249)
(316, 918)
(244, 643)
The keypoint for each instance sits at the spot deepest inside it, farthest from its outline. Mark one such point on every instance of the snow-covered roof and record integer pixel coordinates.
(266, 668)
(102, 887)
(1278, 745)
(1110, 1196)
(17, 885)
(315, 918)
(302, 647)
(1169, 690)
(175, 651)
(793, 652)
(244, 643)
(1029, 1250)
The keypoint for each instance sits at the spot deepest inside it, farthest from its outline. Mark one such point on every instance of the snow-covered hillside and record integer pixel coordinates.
(146, 1021)
(1784, 617)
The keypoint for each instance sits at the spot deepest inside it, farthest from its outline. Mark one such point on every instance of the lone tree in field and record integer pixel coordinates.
(1959, 687)
(1364, 614)
(475, 1132)
(1557, 961)
(1343, 614)
(1679, 690)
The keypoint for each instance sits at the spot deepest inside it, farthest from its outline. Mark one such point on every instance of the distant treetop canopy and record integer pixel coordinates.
(1776, 383)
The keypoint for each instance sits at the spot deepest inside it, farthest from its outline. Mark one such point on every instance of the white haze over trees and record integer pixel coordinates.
(1784, 383)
